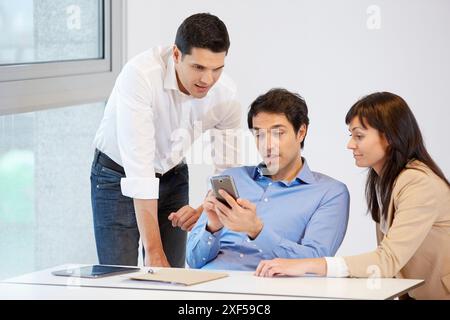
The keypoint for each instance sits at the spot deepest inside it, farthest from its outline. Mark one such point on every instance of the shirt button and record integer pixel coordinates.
(270, 183)
(209, 238)
(241, 255)
(266, 200)
(248, 240)
(260, 250)
(204, 259)
(209, 243)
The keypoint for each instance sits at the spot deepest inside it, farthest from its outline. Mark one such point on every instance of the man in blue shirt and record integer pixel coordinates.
(285, 210)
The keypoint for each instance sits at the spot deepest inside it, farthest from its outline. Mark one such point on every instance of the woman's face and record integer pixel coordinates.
(368, 145)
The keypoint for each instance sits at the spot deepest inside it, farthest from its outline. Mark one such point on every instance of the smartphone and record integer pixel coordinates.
(95, 271)
(226, 183)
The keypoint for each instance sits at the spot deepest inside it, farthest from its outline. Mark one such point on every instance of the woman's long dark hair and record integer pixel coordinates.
(391, 116)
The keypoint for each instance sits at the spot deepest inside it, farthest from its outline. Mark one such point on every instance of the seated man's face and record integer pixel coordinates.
(277, 141)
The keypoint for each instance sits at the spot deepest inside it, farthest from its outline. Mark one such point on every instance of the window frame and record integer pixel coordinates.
(38, 86)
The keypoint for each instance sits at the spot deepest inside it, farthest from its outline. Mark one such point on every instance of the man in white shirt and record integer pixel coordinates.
(139, 179)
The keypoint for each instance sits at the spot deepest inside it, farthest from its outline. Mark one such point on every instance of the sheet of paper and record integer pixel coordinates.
(180, 276)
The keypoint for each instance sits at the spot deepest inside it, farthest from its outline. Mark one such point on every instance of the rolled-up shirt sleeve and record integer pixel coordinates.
(136, 135)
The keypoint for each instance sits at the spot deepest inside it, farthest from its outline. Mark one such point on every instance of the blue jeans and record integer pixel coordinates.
(115, 226)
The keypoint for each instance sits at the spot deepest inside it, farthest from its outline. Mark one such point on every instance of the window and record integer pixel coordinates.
(53, 53)
(45, 31)
(58, 52)
(45, 210)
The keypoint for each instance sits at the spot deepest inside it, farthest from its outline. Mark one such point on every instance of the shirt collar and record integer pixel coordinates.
(170, 78)
(305, 175)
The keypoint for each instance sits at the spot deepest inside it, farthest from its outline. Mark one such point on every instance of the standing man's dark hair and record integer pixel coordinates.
(281, 101)
(202, 30)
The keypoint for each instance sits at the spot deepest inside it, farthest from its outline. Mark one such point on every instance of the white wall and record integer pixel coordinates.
(328, 52)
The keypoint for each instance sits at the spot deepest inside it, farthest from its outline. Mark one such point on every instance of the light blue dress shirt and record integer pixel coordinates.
(304, 218)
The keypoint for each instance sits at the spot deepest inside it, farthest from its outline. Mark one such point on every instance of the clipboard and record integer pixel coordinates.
(181, 276)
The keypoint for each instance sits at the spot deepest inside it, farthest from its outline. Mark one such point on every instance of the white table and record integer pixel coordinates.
(238, 285)
(51, 292)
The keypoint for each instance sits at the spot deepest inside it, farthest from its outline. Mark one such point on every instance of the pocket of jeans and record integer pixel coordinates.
(103, 186)
(108, 179)
(108, 171)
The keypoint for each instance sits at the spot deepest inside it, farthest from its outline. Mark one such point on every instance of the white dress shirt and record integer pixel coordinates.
(149, 124)
(337, 267)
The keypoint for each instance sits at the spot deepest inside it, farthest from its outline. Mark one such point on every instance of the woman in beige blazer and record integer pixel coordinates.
(408, 197)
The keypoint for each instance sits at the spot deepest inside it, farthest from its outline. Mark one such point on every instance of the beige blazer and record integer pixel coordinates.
(417, 242)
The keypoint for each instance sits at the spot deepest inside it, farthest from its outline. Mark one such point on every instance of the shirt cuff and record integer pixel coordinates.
(266, 241)
(209, 244)
(337, 267)
(208, 236)
(140, 188)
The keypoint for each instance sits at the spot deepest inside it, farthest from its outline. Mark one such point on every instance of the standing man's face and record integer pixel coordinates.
(199, 71)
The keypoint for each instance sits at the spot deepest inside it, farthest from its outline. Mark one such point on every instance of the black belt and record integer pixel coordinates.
(107, 162)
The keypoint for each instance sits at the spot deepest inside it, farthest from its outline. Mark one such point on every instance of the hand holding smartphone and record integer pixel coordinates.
(226, 183)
